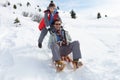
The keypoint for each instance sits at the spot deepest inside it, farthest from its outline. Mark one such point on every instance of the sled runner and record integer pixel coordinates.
(60, 65)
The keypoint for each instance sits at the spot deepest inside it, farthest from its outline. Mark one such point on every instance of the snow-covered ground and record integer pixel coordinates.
(21, 59)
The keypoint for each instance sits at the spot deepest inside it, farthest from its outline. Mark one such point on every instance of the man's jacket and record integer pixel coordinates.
(53, 38)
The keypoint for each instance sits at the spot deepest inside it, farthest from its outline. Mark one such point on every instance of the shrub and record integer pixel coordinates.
(36, 17)
(25, 14)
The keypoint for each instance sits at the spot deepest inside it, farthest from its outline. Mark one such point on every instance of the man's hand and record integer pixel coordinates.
(62, 43)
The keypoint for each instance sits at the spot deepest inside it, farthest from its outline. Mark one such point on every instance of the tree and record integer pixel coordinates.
(20, 4)
(39, 10)
(17, 22)
(28, 4)
(98, 15)
(105, 15)
(73, 14)
(37, 5)
(25, 14)
(58, 8)
(36, 17)
(8, 3)
(14, 6)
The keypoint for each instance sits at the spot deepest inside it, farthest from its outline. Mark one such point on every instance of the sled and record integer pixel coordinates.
(69, 63)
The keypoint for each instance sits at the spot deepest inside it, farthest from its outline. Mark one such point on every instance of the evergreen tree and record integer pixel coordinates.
(39, 10)
(25, 14)
(105, 15)
(98, 15)
(14, 6)
(20, 4)
(17, 22)
(8, 3)
(4, 5)
(28, 4)
(73, 14)
(37, 5)
(58, 8)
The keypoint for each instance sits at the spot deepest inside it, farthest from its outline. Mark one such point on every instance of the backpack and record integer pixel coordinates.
(41, 24)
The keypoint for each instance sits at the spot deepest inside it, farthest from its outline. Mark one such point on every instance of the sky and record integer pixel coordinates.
(107, 6)
(82, 5)
(78, 4)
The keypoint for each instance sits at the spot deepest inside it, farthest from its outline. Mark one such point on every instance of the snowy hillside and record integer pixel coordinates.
(21, 59)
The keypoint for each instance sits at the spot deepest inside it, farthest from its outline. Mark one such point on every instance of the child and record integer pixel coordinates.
(46, 23)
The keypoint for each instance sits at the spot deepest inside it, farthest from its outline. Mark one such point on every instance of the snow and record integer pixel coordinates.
(21, 59)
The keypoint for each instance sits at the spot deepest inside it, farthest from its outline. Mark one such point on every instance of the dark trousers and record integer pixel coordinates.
(42, 35)
(58, 51)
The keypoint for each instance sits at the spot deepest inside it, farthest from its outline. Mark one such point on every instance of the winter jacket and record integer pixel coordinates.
(46, 20)
(53, 38)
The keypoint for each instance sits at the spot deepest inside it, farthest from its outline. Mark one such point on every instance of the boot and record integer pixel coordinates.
(59, 65)
(40, 45)
(77, 64)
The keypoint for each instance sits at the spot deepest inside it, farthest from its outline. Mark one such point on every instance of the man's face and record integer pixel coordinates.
(57, 25)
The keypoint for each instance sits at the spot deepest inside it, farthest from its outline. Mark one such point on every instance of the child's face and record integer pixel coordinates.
(57, 25)
(52, 9)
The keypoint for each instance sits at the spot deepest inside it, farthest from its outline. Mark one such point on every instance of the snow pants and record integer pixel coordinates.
(42, 35)
(59, 51)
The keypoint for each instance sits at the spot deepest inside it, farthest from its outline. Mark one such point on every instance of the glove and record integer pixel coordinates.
(64, 43)
(47, 27)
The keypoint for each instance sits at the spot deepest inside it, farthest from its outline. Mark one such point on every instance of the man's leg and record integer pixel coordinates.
(55, 52)
(75, 47)
(57, 58)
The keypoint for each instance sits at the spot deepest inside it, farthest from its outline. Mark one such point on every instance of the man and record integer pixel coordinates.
(61, 45)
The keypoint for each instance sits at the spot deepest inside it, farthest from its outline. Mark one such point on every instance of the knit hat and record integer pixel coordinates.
(51, 4)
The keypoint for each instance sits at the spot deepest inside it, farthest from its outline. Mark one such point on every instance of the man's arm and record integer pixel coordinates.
(68, 37)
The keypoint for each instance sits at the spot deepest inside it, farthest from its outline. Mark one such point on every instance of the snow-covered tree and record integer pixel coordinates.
(14, 6)
(8, 3)
(17, 22)
(25, 14)
(20, 4)
(58, 7)
(98, 15)
(73, 14)
(36, 17)
(28, 4)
